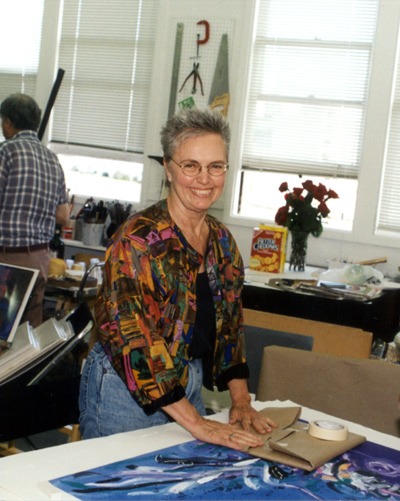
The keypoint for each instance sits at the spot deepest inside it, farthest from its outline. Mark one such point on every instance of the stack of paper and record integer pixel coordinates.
(30, 344)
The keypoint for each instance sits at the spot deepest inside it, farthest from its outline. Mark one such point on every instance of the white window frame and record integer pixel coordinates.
(363, 240)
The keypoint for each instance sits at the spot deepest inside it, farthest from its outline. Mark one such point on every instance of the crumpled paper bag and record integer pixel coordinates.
(291, 445)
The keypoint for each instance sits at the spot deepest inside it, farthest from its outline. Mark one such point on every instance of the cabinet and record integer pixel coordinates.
(381, 315)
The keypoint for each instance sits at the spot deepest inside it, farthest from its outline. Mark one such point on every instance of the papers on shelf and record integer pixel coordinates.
(309, 282)
(30, 344)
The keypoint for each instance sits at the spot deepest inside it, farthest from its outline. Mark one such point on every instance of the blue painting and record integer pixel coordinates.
(199, 471)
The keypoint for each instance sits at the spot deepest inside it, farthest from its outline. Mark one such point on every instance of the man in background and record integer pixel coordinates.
(33, 197)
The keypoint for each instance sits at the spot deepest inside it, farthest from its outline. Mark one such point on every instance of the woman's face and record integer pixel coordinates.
(200, 192)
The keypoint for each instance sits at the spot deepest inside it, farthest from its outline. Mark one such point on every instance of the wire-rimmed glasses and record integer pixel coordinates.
(191, 168)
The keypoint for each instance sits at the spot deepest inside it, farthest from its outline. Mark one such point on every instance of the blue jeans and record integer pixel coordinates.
(106, 405)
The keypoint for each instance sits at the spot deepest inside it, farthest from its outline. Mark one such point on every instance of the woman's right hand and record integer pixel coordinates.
(228, 435)
(207, 430)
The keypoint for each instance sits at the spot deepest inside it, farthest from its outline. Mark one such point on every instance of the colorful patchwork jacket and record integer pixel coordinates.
(147, 305)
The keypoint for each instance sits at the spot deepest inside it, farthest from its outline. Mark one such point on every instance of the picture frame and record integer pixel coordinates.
(16, 284)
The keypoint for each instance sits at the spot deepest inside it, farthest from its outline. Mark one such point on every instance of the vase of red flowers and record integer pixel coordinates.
(302, 214)
(299, 240)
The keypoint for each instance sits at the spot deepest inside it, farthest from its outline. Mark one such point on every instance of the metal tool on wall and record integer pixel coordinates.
(175, 68)
(219, 95)
(196, 76)
(195, 70)
(50, 103)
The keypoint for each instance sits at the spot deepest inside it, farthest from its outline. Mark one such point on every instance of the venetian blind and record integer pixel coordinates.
(20, 38)
(389, 206)
(106, 50)
(309, 84)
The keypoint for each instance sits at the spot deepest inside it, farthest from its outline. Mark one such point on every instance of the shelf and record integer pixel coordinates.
(79, 243)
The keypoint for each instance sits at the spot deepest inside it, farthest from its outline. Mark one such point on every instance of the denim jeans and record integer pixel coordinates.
(106, 405)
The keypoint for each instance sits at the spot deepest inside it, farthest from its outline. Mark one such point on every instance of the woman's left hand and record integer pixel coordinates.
(242, 412)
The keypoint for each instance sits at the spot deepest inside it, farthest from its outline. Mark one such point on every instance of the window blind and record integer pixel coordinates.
(309, 84)
(389, 206)
(106, 50)
(20, 38)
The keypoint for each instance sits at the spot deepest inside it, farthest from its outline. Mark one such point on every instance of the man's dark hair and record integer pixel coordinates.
(22, 111)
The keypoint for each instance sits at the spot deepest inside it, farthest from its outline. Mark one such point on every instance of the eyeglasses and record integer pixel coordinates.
(193, 168)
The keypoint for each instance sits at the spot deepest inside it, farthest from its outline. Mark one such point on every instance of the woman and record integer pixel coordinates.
(170, 312)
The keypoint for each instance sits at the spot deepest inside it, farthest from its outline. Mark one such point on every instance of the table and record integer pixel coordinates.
(66, 294)
(26, 475)
(381, 315)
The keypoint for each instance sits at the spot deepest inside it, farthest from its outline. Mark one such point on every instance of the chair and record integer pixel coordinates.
(9, 449)
(256, 338)
(362, 391)
(72, 430)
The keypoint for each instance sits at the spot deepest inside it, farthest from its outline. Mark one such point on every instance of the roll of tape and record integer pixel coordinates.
(328, 430)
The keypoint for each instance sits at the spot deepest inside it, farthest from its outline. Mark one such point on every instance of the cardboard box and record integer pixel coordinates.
(354, 389)
(328, 338)
(268, 249)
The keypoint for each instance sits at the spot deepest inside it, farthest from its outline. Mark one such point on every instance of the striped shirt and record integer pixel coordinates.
(32, 186)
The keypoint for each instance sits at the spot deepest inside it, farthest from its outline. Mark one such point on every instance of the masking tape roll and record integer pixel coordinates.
(328, 430)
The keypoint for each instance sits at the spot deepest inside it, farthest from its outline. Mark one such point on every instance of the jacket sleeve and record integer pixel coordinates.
(128, 310)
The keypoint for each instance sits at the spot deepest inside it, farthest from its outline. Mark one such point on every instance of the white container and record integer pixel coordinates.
(69, 262)
(97, 271)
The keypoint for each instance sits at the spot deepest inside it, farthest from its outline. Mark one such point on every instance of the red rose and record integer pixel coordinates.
(308, 185)
(332, 194)
(319, 192)
(298, 191)
(283, 187)
(281, 215)
(323, 208)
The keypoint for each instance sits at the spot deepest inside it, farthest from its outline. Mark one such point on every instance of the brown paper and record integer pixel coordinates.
(290, 443)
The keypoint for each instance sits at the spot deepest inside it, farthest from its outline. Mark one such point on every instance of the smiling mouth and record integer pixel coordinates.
(201, 192)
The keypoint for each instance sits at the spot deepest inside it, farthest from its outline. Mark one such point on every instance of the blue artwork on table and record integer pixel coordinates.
(199, 471)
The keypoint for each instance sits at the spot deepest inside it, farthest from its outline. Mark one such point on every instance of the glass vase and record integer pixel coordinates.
(298, 250)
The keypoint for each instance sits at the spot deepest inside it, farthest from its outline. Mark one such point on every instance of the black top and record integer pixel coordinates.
(204, 332)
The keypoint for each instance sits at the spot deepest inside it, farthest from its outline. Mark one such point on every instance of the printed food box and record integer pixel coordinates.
(268, 249)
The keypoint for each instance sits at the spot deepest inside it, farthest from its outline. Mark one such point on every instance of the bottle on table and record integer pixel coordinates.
(56, 244)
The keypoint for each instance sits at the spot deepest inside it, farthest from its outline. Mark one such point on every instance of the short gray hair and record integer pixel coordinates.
(22, 111)
(192, 123)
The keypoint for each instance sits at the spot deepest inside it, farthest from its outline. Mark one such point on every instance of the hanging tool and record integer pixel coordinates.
(195, 71)
(219, 95)
(207, 35)
(50, 103)
(203, 40)
(175, 69)
(196, 75)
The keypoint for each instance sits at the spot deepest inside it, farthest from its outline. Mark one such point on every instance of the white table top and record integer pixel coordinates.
(262, 277)
(25, 476)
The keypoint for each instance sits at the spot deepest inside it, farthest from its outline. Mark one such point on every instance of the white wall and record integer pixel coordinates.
(238, 13)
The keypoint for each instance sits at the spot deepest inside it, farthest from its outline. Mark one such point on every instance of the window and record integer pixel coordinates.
(307, 100)
(389, 206)
(107, 55)
(101, 111)
(20, 38)
(102, 178)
